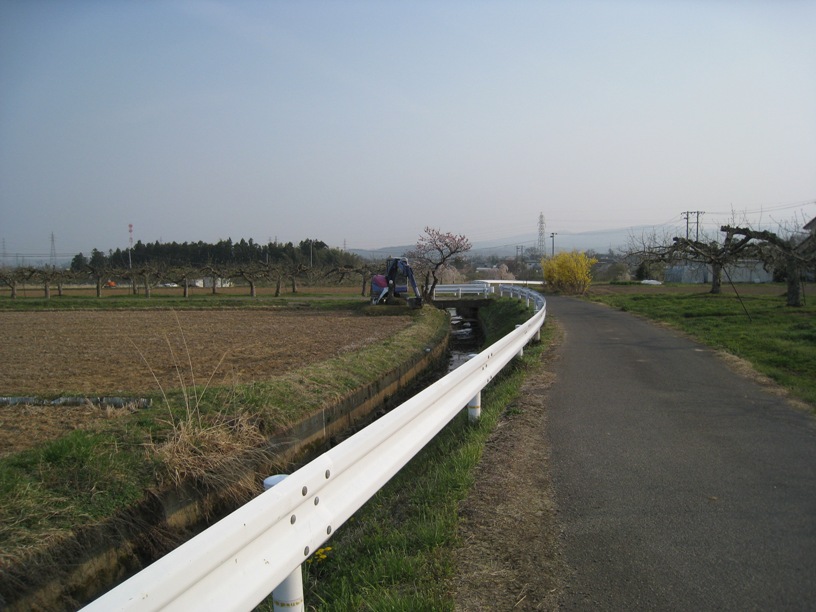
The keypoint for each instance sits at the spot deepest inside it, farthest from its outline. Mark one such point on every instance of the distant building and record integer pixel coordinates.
(207, 281)
(499, 272)
(742, 272)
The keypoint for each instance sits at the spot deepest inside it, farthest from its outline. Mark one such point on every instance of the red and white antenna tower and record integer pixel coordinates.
(130, 231)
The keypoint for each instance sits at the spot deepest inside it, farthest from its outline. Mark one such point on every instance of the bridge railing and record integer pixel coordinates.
(239, 561)
(460, 290)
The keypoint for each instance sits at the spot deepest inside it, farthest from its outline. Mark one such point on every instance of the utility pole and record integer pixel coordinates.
(53, 260)
(552, 236)
(687, 216)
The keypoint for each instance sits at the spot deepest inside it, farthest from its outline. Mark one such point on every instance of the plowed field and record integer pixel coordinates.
(96, 353)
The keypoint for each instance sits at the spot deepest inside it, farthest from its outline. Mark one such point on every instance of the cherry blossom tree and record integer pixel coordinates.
(432, 255)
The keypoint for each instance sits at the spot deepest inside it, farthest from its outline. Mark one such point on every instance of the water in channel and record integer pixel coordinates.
(466, 338)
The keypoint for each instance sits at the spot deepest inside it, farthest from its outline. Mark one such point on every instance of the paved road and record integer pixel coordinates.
(680, 485)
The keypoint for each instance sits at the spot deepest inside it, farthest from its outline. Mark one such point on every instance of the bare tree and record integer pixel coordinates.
(790, 253)
(48, 275)
(711, 253)
(251, 272)
(12, 277)
(366, 271)
(653, 249)
(216, 272)
(181, 275)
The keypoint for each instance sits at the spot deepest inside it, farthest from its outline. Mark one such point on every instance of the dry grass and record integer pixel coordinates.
(206, 450)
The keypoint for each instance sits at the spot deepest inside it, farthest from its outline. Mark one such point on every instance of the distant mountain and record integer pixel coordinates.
(383, 252)
(599, 241)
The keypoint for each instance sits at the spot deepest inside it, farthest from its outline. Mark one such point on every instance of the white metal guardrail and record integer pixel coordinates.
(239, 561)
(463, 289)
(523, 293)
(481, 287)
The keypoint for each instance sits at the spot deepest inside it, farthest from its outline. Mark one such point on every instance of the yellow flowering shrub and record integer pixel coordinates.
(568, 272)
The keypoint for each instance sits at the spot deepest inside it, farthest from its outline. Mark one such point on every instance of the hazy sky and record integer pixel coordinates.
(362, 122)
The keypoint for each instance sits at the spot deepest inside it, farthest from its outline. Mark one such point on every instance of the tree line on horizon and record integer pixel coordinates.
(224, 252)
(185, 264)
(148, 264)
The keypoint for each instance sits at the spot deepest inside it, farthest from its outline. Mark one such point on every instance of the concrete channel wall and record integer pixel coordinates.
(103, 555)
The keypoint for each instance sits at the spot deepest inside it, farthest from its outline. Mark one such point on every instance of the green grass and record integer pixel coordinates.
(397, 552)
(778, 341)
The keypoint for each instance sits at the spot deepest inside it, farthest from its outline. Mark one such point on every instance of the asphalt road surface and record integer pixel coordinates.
(680, 485)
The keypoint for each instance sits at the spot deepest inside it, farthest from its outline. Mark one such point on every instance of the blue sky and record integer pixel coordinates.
(360, 123)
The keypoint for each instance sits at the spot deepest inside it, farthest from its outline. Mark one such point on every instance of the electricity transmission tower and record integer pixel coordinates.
(542, 234)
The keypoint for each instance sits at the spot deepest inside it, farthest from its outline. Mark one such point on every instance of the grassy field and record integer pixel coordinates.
(748, 321)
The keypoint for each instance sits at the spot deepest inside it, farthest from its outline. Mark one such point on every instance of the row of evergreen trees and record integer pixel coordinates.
(199, 254)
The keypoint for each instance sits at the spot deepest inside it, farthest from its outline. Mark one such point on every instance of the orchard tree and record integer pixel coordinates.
(653, 250)
(217, 272)
(432, 255)
(48, 275)
(182, 274)
(365, 269)
(147, 271)
(11, 277)
(791, 254)
(251, 272)
(712, 253)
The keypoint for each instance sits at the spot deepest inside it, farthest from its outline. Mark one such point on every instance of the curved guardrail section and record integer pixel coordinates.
(240, 560)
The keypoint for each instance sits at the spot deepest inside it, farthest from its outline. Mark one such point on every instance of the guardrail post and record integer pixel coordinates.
(288, 595)
(474, 406)
(520, 354)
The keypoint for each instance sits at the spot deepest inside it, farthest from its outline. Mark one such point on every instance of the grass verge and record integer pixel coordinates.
(777, 340)
(397, 552)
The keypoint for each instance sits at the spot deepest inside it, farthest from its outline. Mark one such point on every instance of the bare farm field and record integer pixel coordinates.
(132, 353)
